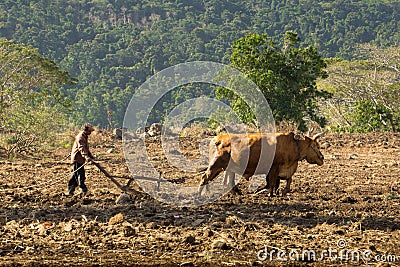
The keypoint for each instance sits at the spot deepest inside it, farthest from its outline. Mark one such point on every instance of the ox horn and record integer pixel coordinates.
(310, 131)
(319, 135)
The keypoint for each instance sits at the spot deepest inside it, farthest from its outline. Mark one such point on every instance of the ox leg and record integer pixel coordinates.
(229, 182)
(229, 179)
(287, 187)
(203, 183)
(236, 189)
(225, 180)
(272, 181)
(266, 186)
(278, 182)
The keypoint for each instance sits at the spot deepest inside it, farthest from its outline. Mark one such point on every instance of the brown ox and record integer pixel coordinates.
(241, 154)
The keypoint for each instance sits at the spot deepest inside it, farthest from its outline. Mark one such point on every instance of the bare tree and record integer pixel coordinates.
(374, 76)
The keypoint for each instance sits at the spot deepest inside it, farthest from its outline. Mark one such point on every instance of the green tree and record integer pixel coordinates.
(286, 76)
(31, 102)
(369, 116)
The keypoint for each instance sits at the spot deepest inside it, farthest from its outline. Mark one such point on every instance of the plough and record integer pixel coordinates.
(126, 188)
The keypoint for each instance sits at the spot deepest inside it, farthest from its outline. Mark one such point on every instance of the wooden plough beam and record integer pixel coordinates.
(126, 187)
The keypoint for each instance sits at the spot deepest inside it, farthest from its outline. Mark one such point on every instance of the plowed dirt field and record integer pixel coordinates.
(345, 212)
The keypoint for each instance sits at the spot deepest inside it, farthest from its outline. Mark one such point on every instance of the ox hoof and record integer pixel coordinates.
(197, 201)
(284, 192)
(236, 191)
(201, 189)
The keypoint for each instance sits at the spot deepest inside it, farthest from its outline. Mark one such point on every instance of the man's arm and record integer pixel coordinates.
(83, 148)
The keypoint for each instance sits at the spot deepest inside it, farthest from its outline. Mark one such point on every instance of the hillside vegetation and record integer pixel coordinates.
(113, 46)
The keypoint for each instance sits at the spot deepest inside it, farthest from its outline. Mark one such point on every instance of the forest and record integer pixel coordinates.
(110, 47)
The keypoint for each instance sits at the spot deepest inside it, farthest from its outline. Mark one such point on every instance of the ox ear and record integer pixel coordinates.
(221, 144)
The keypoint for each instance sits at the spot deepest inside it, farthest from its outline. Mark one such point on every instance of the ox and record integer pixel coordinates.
(241, 154)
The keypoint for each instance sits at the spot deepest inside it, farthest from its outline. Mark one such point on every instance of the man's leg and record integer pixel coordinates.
(73, 181)
(82, 178)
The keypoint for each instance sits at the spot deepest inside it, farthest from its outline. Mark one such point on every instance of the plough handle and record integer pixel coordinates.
(109, 176)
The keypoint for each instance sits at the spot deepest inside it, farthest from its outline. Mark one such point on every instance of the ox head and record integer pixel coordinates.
(314, 155)
(219, 153)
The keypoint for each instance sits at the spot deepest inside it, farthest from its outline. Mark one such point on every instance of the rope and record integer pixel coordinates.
(42, 186)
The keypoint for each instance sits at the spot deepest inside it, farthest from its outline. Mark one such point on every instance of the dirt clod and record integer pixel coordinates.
(190, 240)
(219, 244)
(117, 219)
(129, 231)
